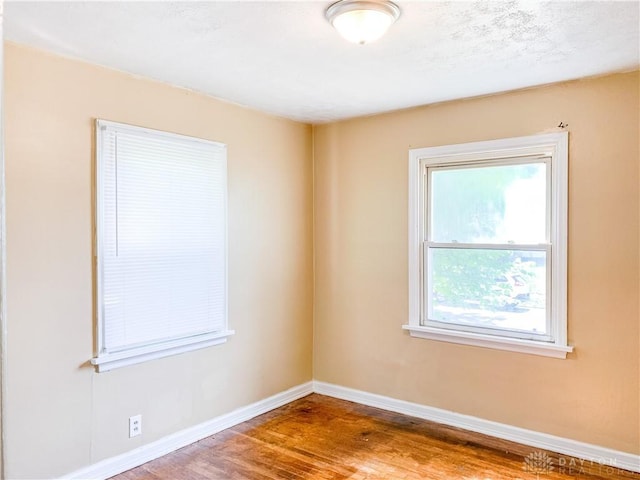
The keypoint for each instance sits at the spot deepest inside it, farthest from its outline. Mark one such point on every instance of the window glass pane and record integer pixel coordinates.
(489, 204)
(496, 289)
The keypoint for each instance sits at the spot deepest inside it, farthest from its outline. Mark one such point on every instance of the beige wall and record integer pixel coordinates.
(361, 265)
(61, 415)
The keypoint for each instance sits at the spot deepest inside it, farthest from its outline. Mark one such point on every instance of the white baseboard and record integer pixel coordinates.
(126, 461)
(590, 453)
(134, 458)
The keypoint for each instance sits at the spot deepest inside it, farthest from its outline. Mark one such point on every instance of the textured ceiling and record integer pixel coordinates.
(284, 58)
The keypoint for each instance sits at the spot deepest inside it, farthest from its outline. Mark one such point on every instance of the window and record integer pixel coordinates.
(161, 244)
(488, 248)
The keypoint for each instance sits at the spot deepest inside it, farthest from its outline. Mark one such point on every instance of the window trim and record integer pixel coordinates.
(552, 145)
(103, 360)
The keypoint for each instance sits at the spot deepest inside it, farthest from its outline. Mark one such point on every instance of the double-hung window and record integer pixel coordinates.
(488, 244)
(161, 244)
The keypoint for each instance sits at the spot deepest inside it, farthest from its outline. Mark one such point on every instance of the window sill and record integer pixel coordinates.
(490, 341)
(111, 361)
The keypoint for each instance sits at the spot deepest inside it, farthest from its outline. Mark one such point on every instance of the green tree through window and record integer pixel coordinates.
(469, 205)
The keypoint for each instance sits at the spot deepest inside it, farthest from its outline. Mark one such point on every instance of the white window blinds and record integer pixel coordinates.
(161, 230)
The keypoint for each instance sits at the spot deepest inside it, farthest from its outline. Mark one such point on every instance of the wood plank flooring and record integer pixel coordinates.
(322, 438)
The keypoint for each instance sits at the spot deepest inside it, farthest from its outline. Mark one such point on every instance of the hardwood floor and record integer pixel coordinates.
(322, 438)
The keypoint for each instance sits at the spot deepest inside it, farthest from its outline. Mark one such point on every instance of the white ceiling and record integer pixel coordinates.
(284, 58)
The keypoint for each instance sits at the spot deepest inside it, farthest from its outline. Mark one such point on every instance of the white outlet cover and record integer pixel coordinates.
(135, 425)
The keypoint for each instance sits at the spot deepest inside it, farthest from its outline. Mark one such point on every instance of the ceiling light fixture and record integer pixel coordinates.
(362, 21)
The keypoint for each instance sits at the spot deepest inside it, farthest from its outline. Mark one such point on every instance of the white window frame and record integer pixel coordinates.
(104, 360)
(553, 147)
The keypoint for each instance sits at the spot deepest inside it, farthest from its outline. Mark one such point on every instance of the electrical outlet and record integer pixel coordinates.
(135, 425)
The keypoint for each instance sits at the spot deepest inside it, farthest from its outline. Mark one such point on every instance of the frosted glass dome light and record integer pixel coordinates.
(362, 21)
